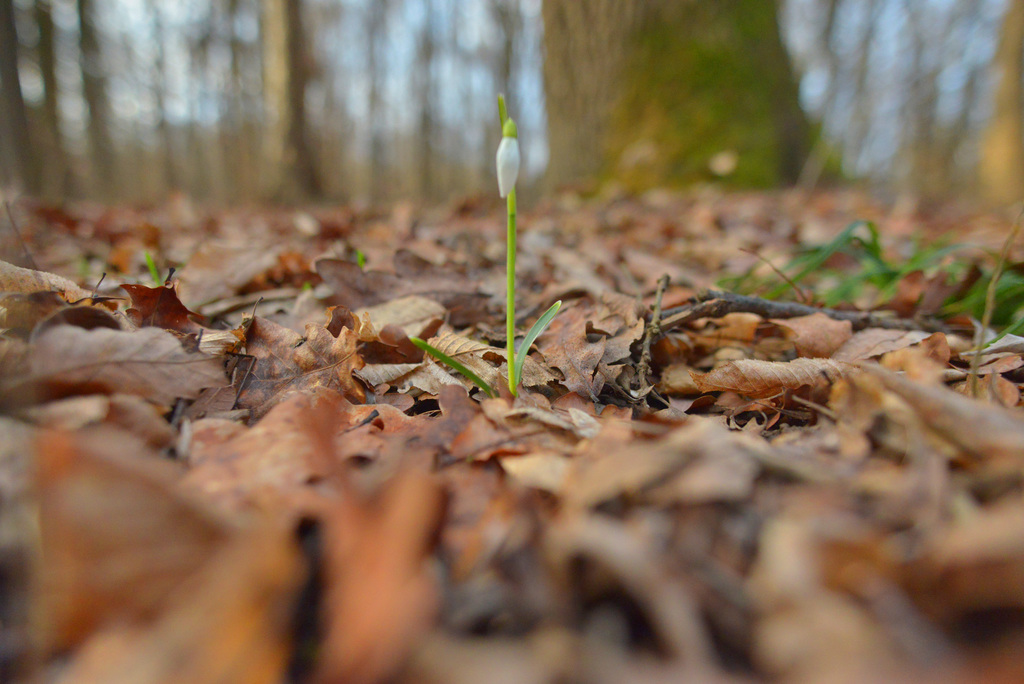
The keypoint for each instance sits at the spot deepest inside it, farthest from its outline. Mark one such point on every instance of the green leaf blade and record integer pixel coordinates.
(455, 365)
(535, 332)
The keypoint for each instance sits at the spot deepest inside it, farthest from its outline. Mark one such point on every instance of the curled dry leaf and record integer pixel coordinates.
(413, 314)
(873, 342)
(987, 432)
(758, 379)
(159, 307)
(26, 281)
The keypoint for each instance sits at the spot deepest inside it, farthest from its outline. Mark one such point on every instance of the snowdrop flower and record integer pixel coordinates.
(508, 158)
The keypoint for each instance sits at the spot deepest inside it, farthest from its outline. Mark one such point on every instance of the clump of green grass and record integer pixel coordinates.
(878, 275)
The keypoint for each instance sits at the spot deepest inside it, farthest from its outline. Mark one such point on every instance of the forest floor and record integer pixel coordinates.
(249, 474)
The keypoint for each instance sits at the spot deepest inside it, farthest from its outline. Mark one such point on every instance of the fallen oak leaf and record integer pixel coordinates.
(758, 379)
(568, 348)
(286, 360)
(159, 307)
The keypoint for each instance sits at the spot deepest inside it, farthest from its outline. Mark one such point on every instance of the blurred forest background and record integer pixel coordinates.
(375, 100)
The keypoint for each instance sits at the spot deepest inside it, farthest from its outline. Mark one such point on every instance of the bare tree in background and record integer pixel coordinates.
(1001, 168)
(16, 138)
(94, 90)
(56, 179)
(376, 34)
(426, 135)
(291, 168)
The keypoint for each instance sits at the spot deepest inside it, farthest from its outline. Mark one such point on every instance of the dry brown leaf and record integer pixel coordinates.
(541, 470)
(873, 342)
(26, 281)
(413, 314)
(987, 432)
(816, 335)
(286, 361)
(129, 413)
(357, 288)
(566, 347)
(150, 363)
(117, 535)
(287, 449)
(758, 379)
(380, 594)
(232, 623)
(604, 474)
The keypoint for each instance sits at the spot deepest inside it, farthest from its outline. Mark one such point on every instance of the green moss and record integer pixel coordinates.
(704, 78)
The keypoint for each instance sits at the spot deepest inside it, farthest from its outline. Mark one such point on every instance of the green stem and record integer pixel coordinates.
(510, 270)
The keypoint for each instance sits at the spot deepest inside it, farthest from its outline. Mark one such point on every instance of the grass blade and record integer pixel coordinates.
(534, 333)
(449, 361)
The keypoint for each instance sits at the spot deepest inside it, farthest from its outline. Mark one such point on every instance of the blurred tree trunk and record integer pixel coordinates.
(54, 178)
(22, 162)
(171, 177)
(94, 89)
(507, 15)
(376, 26)
(289, 164)
(426, 128)
(1001, 168)
(650, 92)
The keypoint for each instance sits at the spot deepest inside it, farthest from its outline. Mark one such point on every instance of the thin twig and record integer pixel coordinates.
(17, 234)
(715, 304)
(990, 304)
(653, 329)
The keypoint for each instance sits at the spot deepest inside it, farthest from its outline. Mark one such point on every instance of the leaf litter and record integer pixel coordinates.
(284, 488)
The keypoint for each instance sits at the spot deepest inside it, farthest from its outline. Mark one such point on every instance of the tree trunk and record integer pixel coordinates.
(289, 156)
(376, 29)
(1001, 168)
(54, 178)
(651, 92)
(22, 162)
(426, 133)
(94, 89)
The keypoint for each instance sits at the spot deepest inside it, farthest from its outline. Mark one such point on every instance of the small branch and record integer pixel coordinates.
(715, 304)
(652, 331)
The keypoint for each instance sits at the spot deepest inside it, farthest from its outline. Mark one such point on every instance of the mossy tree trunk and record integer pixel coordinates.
(650, 92)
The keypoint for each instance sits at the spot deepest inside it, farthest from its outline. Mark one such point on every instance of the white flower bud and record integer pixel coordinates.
(508, 165)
